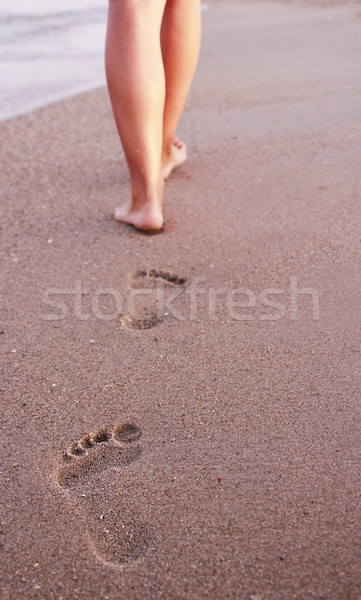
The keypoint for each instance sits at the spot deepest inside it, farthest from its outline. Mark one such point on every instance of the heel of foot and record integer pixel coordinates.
(145, 219)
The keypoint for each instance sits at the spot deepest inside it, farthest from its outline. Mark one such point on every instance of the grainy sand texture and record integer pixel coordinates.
(180, 413)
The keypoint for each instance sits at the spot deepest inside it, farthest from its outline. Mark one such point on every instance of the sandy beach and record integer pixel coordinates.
(211, 373)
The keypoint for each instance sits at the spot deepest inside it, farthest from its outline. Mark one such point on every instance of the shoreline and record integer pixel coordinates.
(70, 92)
(52, 99)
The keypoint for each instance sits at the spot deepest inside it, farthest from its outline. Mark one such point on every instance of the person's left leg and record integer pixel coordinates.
(180, 43)
(136, 82)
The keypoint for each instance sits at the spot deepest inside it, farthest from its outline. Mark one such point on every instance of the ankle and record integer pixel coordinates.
(147, 192)
(167, 148)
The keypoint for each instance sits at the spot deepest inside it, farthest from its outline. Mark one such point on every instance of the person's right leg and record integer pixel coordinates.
(136, 82)
(180, 41)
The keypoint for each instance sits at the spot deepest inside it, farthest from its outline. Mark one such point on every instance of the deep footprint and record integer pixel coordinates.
(89, 475)
(150, 277)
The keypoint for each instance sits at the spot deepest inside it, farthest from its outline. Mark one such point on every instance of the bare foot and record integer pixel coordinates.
(177, 157)
(145, 214)
(147, 217)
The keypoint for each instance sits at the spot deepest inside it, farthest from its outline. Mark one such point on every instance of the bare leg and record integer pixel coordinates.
(180, 41)
(136, 82)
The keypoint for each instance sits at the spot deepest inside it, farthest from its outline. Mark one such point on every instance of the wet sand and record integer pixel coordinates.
(224, 454)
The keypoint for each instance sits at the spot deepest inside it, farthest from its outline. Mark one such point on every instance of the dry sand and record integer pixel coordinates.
(237, 472)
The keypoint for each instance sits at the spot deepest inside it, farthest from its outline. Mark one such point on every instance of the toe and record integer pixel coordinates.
(100, 436)
(86, 442)
(76, 449)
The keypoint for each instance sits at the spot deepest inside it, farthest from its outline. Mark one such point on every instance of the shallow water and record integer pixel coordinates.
(53, 51)
(49, 50)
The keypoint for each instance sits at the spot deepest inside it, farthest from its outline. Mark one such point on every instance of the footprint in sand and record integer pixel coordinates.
(152, 277)
(144, 318)
(147, 310)
(89, 476)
